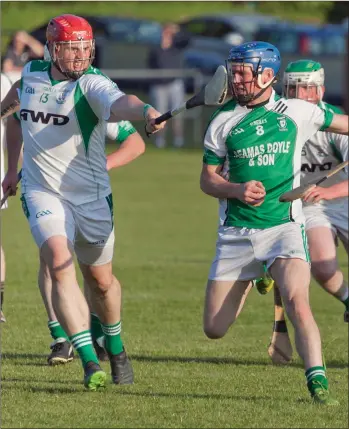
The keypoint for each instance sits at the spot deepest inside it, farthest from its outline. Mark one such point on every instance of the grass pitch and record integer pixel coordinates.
(165, 239)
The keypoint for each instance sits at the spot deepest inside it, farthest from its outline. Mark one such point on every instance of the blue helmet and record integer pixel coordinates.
(259, 56)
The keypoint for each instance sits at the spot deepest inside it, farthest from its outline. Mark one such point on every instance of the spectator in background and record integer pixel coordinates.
(168, 92)
(22, 49)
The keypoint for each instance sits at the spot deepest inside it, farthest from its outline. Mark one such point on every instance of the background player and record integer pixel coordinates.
(6, 84)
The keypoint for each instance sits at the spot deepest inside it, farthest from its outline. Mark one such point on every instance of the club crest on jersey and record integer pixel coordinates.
(61, 97)
(282, 123)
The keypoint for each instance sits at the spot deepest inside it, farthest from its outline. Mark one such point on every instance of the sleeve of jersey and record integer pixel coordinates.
(214, 145)
(125, 130)
(311, 118)
(326, 117)
(340, 146)
(101, 92)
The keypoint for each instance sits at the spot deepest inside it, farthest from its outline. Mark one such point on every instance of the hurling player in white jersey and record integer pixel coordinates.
(6, 84)
(325, 207)
(131, 147)
(261, 135)
(65, 105)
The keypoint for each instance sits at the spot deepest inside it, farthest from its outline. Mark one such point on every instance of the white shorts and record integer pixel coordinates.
(331, 216)
(242, 253)
(89, 227)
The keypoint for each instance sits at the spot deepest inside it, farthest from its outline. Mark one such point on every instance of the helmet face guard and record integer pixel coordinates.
(304, 79)
(70, 45)
(256, 56)
(72, 58)
(303, 91)
(303, 85)
(244, 91)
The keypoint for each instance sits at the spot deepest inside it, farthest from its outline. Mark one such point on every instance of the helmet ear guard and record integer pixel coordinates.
(265, 85)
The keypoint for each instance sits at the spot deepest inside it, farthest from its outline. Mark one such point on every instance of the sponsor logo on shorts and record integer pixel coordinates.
(43, 213)
(296, 252)
(97, 242)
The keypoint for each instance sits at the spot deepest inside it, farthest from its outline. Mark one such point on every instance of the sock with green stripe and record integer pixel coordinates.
(56, 330)
(96, 327)
(346, 303)
(316, 377)
(112, 335)
(82, 343)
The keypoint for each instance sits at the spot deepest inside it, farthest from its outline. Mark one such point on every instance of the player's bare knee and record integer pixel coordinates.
(103, 285)
(297, 309)
(324, 271)
(100, 277)
(214, 331)
(56, 257)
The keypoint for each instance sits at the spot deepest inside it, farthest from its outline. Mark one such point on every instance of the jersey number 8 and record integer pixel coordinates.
(259, 130)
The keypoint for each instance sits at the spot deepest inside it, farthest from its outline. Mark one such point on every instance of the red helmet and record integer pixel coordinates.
(65, 29)
(68, 27)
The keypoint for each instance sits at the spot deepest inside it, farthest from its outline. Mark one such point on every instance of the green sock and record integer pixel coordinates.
(316, 376)
(346, 303)
(113, 342)
(56, 330)
(96, 327)
(82, 342)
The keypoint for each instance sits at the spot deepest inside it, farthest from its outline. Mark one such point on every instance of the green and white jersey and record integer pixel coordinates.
(64, 125)
(120, 131)
(265, 144)
(322, 152)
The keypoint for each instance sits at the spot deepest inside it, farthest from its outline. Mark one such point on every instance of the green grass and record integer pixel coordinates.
(165, 237)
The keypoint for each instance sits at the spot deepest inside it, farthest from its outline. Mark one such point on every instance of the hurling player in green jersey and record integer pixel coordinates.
(261, 136)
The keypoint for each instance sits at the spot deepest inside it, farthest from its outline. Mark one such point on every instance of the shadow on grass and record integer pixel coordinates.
(8, 380)
(120, 390)
(179, 359)
(226, 361)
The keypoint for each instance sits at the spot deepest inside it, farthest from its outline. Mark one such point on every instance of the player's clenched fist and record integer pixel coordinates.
(10, 181)
(150, 116)
(252, 193)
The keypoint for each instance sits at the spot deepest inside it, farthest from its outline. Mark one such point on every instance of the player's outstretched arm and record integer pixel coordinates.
(130, 149)
(339, 124)
(131, 108)
(213, 184)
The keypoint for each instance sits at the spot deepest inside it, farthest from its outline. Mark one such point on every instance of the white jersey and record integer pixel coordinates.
(5, 87)
(64, 124)
(321, 154)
